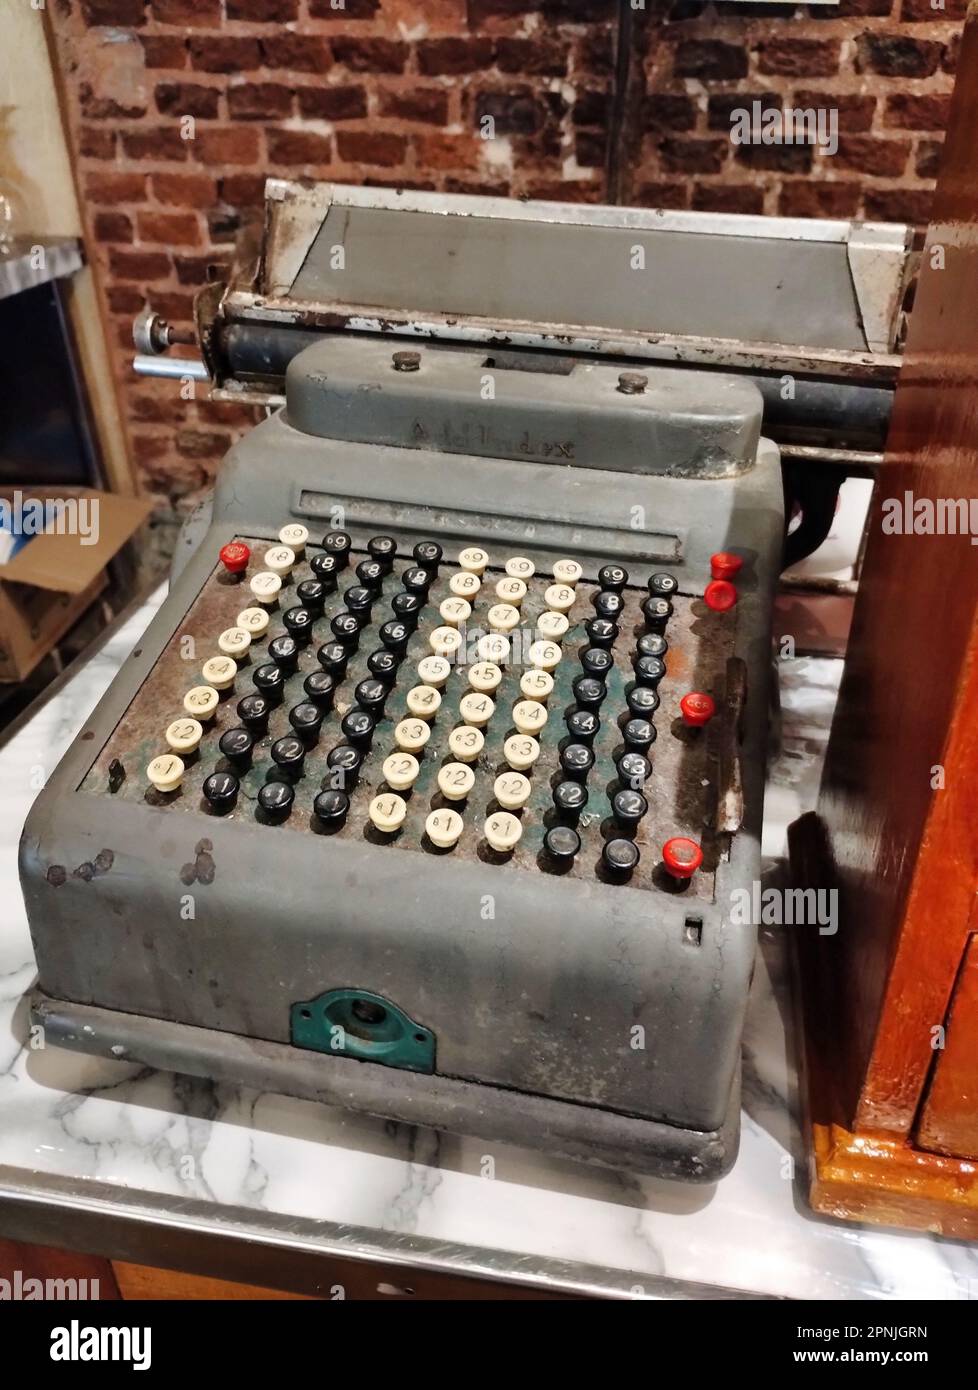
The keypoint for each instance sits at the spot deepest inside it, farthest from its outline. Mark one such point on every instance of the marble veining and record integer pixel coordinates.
(134, 1128)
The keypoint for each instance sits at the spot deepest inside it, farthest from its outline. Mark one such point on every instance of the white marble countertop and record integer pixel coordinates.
(154, 1137)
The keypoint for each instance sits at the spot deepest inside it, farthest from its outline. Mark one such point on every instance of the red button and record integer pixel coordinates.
(720, 595)
(682, 857)
(697, 708)
(235, 556)
(725, 565)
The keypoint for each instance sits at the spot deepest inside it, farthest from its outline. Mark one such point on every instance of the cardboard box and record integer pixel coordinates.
(50, 582)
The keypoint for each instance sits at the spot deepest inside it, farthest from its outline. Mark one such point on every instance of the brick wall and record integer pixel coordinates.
(392, 92)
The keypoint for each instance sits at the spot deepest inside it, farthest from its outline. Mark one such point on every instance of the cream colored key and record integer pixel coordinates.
(512, 790)
(553, 626)
(411, 735)
(184, 735)
(234, 641)
(494, 647)
(529, 716)
(503, 832)
(387, 812)
(220, 672)
(201, 702)
(503, 617)
(521, 751)
(424, 701)
(455, 611)
(266, 586)
(567, 572)
(401, 770)
(444, 827)
(546, 655)
(434, 670)
(560, 597)
(465, 584)
(476, 709)
(485, 676)
(166, 772)
(444, 641)
(519, 567)
(466, 743)
(455, 781)
(536, 685)
(511, 590)
(279, 559)
(254, 621)
(295, 536)
(473, 559)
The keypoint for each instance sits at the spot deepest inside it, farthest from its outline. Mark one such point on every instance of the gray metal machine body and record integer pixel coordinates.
(599, 1020)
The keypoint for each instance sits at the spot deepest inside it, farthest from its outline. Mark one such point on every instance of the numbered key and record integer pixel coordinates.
(512, 790)
(567, 572)
(545, 655)
(466, 743)
(553, 626)
(411, 735)
(434, 670)
(201, 702)
(424, 701)
(166, 772)
(234, 641)
(511, 590)
(503, 831)
(536, 685)
(294, 537)
(455, 611)
(560, 598)
(401, 770)
(184, 735)
(519, 567)
(219, 672)
(265, 586)
(387, 812)
(279, 560)
(503, 617)
(465, 584)
(494, 648)
(476, 708)
(521, 751)
(254, 621)
(529, 716)
(485, 676)
(445, 641)
(455, 781)
(444, 827)
(474, 559)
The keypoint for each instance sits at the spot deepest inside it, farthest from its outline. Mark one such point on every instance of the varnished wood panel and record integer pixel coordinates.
(46, 1263)
(907, 855)
(145, 1282)
(949, 1122)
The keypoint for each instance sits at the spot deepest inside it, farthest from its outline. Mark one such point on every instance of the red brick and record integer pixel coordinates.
(227, 145)
(299, 147)
(596, 51)
(196, 14)
(100, 108)
(243, 190)
(870, 155)
(721, 108)
(398, 181)
(454, 55)
(139, 265)
(591, 108)
(783, 159)
(158, 409)
(590, 149)
(439, 150)
(131, 13)
(371, 147)
(514, 110)
(897, 55)
(415, 104)
(164, 51)
(693, 156)
(176, 308)
(710, 60)
(531, 57)
(256, 101)
(477, 188)
(351, 9)
(263, 11)
(855, 112)
(187, 99)
(224, 54)
(169, 228)
(184, 190)
(795, 57)
(728, 197)
(115, 188)
(923, 11)
(899, 204)
(345, 103)
(96, 142)
(197, 444)
(154, 142)
(122, 299)
(300, 52)
(228, 413)
(661, 195)
(112, 226)
(918, 112)
(194, 270)
(928, 160)
(370, 55)
(564, 191)
(147, 447)
(808, 198)
(949, 62)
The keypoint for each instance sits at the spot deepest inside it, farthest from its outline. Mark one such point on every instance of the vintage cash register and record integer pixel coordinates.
(430, 788)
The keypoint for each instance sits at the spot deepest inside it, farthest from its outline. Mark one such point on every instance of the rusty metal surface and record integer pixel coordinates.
(682, 790)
